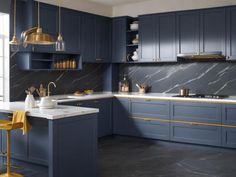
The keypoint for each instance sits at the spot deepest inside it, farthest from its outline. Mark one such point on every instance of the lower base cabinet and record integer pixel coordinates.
(229, 137)
(104, 115)
(148, 129)
(199, 134)
(120, 116)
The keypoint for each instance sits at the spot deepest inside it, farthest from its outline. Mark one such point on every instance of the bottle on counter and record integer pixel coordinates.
(124, 85)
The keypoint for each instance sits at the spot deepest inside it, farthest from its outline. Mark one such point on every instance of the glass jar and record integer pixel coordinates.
(124, 85)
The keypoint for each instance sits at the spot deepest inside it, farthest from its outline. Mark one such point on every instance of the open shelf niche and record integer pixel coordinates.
(30, 61)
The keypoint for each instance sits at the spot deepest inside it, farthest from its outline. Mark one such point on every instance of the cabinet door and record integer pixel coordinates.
(188, 33)
(103, 39)
(119, 40)
(38, 150)
(149, 129)
(88, 38)
(166, 42)
(196, 112)
(49, 24)
(104, 115)
(229, 137)
(147, 35)
(71, 30)
(231, 33)
(150, 109)
(199, 134)
(213, 30)
(120, 116)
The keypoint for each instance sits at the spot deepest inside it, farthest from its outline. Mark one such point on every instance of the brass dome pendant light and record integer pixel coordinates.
(35, 36)
(14, 41)
(60, 43)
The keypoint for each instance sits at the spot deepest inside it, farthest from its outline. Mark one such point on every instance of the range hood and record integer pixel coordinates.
(202, 56)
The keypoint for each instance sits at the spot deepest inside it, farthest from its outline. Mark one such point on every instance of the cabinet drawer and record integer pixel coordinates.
(196, 112)
(229, 137)
(199, 134)
(149, 129)
(150, 109)
(229, 114)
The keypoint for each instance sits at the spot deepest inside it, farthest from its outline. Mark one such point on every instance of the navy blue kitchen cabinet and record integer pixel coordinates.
(167, 38)
(71, 30)
(119, 26)
(213, 30)
(186, 115)
(120, 116)
(103, 39)
(104, 115)
(149, 119)
(188, 32)
(229, 125)
(147, 37)
(198, 134)
(88, 45)
(231, 33)
(159, 31)
(48, 22)
(196, 112)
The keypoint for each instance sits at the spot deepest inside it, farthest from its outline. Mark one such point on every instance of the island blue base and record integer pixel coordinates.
(66, 147)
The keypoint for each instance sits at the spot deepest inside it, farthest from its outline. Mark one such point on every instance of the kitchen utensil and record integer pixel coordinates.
(143, 88)
(184, 92)
(138, 86)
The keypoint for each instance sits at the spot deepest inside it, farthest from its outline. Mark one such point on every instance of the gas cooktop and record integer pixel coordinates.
(208, 96)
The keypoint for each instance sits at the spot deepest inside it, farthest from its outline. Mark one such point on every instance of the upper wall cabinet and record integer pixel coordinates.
(103, 39)
(213, 30)
(166, 50)
(119, 39)
(158, 38)
(147, 38)
(96, 38)
(71, 30)
(231, 33)
(188, 32)
(88, 38)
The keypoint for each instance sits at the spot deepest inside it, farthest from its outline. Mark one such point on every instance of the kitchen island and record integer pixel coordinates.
(62, 140)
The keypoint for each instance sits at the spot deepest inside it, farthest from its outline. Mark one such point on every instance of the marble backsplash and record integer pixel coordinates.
(199, 77)
(90, 77)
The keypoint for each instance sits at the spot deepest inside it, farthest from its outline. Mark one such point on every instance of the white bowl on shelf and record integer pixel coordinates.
(134, 26)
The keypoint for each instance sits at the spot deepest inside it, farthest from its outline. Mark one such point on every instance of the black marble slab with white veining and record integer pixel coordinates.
(199, 77)
(90, 77)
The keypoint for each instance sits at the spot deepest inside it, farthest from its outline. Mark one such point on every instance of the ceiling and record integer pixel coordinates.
(116, 2)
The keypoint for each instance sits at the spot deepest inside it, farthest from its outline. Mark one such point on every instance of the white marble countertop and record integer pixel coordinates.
(169, 96)
(154, 96)
(52, 114)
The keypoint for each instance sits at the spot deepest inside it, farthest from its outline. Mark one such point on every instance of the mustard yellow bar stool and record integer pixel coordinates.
(9, 126)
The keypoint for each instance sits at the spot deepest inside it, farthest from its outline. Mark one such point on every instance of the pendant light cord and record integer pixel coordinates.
(38, 14)
(14, 17)
(59, 19)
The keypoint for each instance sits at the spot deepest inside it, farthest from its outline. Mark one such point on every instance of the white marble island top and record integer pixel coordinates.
(56, 113)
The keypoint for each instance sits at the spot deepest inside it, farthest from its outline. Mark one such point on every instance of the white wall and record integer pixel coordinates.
(83, 5)
(155, 6)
